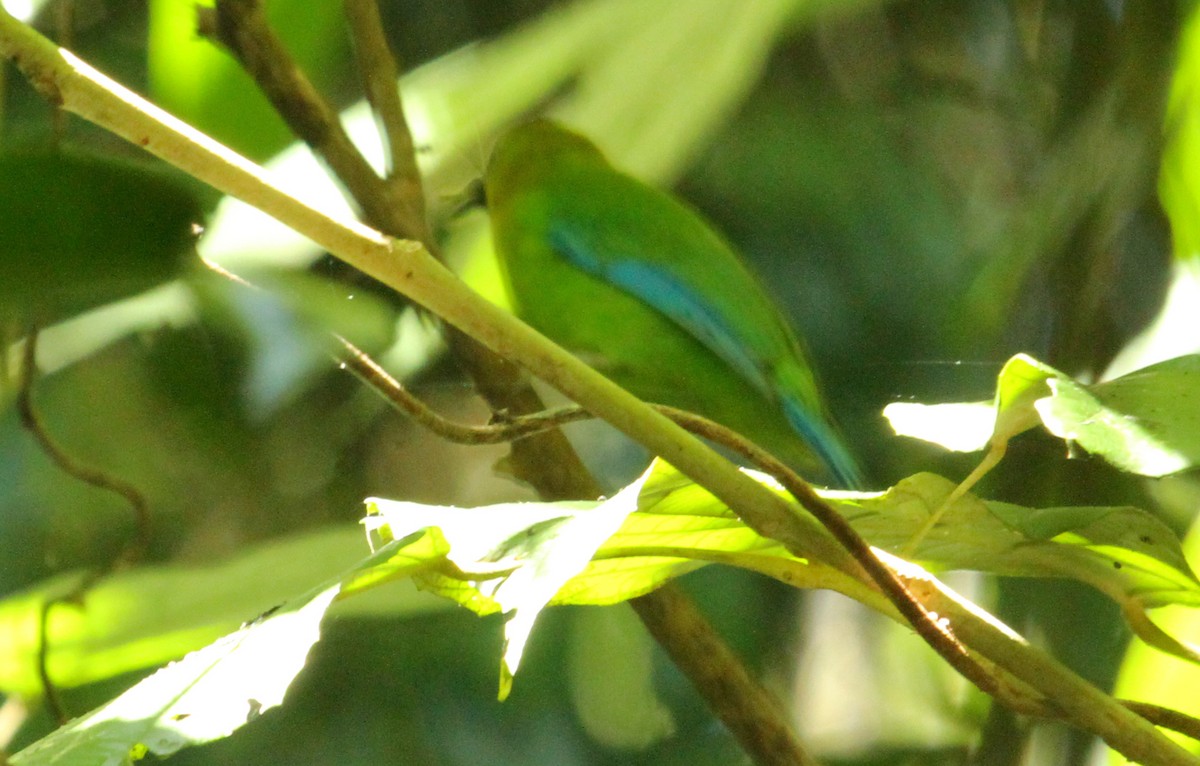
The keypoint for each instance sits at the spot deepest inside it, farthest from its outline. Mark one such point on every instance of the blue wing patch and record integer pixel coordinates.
(666, 293)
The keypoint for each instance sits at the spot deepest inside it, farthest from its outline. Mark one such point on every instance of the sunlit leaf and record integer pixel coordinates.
(508, 558)
(525, 553)
(213, 691)
(1146, 422)
(203, 697)
(1021, 383)
(143, 617)
(1152, 676)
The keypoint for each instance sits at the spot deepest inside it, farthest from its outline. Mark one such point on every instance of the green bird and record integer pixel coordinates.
(640, 286)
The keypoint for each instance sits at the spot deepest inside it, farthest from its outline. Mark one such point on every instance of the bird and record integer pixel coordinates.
(639, 285)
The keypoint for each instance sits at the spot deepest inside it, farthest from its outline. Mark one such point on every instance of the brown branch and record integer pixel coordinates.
(32, 422)
(380, 80)
(241, 26)
(546, 461)
(509, 429)
(733, 695)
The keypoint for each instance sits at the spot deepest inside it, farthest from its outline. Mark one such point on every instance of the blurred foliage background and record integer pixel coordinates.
(927, 186)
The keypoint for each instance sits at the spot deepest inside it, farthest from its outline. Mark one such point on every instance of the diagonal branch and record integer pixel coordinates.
(1022, 659)
(410, 269)
(546, 461)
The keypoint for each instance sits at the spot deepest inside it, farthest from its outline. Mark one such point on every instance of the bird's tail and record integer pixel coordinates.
(817, 432)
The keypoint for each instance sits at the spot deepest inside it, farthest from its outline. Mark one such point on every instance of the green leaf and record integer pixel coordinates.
(1161, 678)
(143, 617)
(213, 691)
(518, 558)
(78, 231)
(1179, 178)
(205, 696)
(515, 558)
(1146, 422)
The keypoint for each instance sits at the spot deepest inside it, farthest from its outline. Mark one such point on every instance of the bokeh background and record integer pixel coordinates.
(927, 187)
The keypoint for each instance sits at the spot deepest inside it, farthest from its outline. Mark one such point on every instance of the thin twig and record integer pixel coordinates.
(32, 422)
(242, 27)
(53, 701)
(545, 461)
(408, 267)
(133, 551)
(380, 81)
(510, 428)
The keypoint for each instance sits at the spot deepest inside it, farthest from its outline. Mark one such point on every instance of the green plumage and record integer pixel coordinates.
(642, 288)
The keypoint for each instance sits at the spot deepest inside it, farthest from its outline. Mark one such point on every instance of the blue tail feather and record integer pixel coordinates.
(825, 442)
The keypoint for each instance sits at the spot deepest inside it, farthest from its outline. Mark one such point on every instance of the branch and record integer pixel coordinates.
(241, 26)
(32, 422)
(1039, 679)
(547, 461)
(380, 75)
(409, 268)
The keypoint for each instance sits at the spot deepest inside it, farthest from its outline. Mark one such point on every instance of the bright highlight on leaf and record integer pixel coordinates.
(213, 691)
(519, 558)
(147, 616)
(959, 427)
(203, 697)
(1146, 422)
